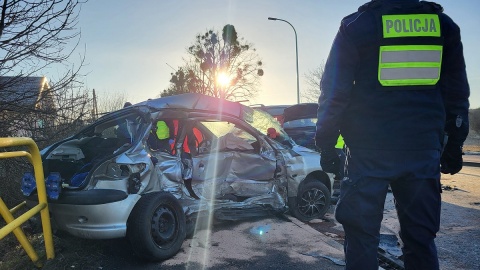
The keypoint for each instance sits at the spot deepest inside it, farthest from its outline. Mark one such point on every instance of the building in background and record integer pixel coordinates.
(26, 106)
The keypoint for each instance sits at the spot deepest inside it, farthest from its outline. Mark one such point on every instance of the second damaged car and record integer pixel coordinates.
(149, 171)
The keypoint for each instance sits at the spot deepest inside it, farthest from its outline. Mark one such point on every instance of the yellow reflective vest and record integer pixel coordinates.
(412, 64)
(163, 131)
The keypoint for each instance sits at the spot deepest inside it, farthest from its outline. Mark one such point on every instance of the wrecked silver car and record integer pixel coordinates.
(113, 180)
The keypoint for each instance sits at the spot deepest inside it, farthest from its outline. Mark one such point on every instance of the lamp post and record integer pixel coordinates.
(296, 53)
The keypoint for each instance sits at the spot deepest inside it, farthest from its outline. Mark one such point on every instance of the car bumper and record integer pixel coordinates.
(94, 221)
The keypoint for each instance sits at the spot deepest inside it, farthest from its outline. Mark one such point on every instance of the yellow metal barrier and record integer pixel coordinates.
(13, 224)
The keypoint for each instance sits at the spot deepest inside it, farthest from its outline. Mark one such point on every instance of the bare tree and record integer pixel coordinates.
(73, 112)
(214, 56)
(33, 34)
(313, 78)
(36, 35)
(109, 103)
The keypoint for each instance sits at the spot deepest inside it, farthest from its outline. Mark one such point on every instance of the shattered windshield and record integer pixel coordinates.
(221, 129)
(124, 128)
(262, 121)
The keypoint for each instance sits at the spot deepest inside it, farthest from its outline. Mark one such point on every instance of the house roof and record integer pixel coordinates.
(21, 91)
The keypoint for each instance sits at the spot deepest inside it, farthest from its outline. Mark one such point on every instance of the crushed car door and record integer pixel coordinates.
(229, 161)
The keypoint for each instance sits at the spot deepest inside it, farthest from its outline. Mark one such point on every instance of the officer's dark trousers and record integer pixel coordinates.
(414, 177)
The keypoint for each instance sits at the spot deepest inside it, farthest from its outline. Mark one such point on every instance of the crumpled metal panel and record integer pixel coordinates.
(267, 152)
(133, 157)
(137, 157)
(169, 173)
(250, 166)
(249, 175)
(258, 204)
(187, 170)
(296, 173)
(298, 166)
(211, 167)
(251, 188)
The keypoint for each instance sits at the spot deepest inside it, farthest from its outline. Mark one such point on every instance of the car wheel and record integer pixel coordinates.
(312, 201)
(156, 227)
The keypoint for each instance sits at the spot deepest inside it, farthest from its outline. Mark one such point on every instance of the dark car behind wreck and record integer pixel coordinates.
(299, 122)
(108, 181)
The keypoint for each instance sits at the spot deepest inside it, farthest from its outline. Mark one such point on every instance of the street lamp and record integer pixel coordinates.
(296, 53)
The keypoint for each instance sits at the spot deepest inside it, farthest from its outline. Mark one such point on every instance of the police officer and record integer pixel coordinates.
(394, 85)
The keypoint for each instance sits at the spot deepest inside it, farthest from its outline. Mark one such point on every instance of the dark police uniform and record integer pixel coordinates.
(394, 85)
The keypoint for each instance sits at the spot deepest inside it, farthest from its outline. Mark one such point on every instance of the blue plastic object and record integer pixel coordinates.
(28, 184)
(78, 179)
(54, 185)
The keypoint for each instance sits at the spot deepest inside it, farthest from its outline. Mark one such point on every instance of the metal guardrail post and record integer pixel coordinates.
(13, 224)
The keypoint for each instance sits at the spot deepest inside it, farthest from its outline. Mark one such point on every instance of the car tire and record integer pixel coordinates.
(312, 201)
(156, 227)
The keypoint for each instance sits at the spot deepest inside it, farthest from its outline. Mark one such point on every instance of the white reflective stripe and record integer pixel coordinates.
(409, 73)
(409, 65)
(411, 56)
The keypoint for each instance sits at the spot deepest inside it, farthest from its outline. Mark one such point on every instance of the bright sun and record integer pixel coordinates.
(223, 79)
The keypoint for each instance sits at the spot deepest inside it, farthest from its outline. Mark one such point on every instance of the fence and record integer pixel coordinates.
(13, 224)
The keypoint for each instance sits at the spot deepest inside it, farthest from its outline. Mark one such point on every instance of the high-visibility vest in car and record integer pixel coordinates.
(409, 62)
(163, 131)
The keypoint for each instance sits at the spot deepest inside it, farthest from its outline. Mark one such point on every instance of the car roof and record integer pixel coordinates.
(198, 102)
(274, 110)
(300, 111)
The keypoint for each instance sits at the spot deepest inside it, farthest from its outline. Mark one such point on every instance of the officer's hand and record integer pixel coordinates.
(451, 161)
(330, 161)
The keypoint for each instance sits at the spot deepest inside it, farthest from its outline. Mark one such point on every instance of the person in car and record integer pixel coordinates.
(160, 138)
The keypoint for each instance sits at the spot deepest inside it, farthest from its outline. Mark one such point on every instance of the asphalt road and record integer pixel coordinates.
(265, 243)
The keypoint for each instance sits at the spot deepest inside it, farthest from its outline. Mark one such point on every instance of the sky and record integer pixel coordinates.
(131, 46)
